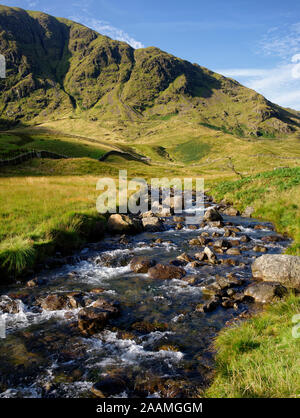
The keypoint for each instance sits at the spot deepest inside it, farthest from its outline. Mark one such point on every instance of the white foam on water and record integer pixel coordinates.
(169, 246)
(72, 390)
(22, 392)
(248, 230)
(177, 318)
(120, 395)
(95, 273)
(158, 297)
(179, 287)
(129, 352)
(154, 395)
(25, 317)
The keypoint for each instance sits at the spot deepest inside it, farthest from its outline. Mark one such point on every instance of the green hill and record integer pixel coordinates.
(58, 68)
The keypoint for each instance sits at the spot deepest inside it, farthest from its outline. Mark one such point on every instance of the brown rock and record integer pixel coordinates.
(140, 264)
(54, 302)
(260, 249)
(233, 251)
(163, 272)
(120, 223)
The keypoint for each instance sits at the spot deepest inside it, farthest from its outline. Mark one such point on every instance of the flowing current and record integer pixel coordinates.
(160, 344)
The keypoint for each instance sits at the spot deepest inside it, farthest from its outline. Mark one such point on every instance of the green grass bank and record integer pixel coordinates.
(259, 358)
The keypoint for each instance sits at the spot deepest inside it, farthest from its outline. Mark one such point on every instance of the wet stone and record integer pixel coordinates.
(209, 306)
(108, 386)
(92, 320)
(54, 302)
(260, 249)
(244, 238)
(162, 271)
(145, 327)
(233, 251)
(222, 243)
(141, 264)
(8, 305)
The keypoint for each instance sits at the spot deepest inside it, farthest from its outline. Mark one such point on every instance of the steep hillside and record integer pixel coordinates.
(58, 68)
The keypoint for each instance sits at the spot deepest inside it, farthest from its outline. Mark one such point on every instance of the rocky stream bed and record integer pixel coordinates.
(135, 315)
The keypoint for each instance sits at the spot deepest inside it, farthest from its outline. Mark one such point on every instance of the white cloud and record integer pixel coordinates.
(105, 28)
(279, 84)
(282, 41)
(296, 58)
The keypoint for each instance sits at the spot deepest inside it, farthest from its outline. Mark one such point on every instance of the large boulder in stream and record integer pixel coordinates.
(265, 292)
(120, 224)
(140, 264)
(281, 268)
(212, 215)
(162, 271)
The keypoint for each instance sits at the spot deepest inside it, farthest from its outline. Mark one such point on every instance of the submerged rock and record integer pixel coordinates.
(162, 271)
(145, 327)
(281, 268)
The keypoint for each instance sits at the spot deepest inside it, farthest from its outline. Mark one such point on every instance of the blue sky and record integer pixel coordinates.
(255, 42)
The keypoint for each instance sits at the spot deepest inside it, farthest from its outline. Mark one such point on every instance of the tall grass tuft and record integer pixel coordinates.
(16, 253)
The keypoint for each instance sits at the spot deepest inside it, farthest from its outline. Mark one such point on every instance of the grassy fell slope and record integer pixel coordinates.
(56, 67)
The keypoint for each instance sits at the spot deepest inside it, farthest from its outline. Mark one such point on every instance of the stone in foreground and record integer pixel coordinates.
(281, 268)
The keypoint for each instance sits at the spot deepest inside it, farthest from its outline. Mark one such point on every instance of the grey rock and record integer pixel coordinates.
(281, 268)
